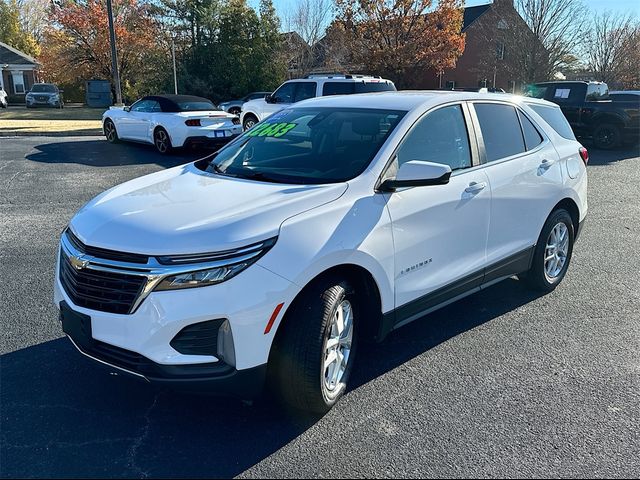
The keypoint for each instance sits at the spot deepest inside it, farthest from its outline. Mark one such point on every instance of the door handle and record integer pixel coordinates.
(546, 163)
(475, 187)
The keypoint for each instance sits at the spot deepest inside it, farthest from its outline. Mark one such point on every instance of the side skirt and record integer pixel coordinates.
(501, 270)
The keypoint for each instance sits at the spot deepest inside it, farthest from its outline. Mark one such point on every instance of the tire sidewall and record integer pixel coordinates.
(169, 147)
(115, 138)
(615, 133)
(537, 273)
(246, 120)
(330, 398)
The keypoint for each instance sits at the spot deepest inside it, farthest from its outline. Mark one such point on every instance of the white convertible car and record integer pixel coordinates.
(171, 121)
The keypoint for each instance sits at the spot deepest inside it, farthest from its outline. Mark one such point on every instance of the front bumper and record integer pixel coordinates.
(139, 344)
(35, 102)
(213, 378)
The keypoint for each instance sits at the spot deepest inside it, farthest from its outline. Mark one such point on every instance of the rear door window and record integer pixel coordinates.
(337, 88)
(555, 118)
(500, 129)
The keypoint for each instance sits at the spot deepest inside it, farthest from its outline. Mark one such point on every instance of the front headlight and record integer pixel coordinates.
(201, 270)
(201, 278)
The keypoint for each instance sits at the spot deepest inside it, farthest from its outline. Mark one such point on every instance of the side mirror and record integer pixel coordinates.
(127, 109)
(270, 99)
(417, 173)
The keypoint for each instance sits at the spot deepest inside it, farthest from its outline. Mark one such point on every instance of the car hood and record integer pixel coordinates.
(185, 210)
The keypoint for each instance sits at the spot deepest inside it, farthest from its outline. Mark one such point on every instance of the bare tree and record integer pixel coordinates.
(559, 27)
(34, 16)
(309, 19)
(611, 47)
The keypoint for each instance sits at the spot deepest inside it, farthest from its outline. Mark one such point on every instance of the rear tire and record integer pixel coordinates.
(249, 121)
(315, 347)
(552, 254)
(607, 136)
(162, 141)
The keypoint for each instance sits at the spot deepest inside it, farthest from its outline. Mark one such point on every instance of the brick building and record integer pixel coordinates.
(494, 33)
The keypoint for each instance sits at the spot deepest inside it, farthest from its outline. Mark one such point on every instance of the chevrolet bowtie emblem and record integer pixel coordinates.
(78, 262)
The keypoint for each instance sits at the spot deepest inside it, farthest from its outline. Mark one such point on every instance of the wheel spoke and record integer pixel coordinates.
(339, 320)
(331, 358)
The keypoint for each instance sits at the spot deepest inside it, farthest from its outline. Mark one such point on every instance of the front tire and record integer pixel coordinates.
(314, 353)
(110, 131)
(552, 253)
(249, 121)
(162, 141)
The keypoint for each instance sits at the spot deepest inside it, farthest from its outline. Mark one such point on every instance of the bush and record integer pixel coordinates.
(16, 99)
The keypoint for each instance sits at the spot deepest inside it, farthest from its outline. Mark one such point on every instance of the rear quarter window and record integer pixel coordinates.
(555, 118)
(369, 87)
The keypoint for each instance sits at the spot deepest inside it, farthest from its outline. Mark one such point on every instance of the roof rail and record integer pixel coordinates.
(347, 76)
(326, 75)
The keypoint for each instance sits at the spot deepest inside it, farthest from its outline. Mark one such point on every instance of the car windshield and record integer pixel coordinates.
(39, 88)
(196, 106)
(308, 145)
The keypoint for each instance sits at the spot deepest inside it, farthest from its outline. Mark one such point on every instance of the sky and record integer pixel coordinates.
(282, 6)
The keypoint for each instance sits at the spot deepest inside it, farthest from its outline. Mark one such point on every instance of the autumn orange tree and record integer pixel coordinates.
(397, 38)
(76, 46)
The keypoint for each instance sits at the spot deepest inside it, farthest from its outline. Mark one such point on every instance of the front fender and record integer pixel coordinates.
(343, 232)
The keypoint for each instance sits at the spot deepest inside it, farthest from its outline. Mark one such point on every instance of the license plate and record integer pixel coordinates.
(77, 325)
(221, 133)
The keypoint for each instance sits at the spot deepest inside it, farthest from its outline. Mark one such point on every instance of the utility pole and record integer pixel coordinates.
(175, 74)
(114, 55)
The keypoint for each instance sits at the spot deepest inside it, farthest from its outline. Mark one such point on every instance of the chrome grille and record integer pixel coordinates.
(98, 290)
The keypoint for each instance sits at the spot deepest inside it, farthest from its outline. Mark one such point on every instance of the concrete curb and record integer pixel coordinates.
(71, 133)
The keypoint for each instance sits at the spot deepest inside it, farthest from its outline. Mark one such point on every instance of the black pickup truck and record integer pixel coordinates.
(591, 113)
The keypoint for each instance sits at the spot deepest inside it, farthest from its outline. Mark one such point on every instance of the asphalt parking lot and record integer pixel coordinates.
(504, 383)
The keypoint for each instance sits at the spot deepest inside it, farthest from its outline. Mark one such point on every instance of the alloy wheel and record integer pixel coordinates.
(162, 141)
(110, 131)
(556, 251)
(337, 351)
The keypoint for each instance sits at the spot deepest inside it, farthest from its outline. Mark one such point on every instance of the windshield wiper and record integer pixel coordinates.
(260, 176)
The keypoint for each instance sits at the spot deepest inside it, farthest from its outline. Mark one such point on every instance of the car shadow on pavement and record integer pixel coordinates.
(100, 153)
(599, 157)
(63, 416)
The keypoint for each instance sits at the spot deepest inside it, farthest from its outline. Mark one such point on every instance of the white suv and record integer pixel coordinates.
(317, 85)
(335, 220)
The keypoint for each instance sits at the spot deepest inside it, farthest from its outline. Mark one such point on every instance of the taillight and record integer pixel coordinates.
(193, 122)
(235, 120)
(584, 154)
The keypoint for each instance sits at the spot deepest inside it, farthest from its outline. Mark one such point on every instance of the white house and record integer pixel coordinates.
(18, 70)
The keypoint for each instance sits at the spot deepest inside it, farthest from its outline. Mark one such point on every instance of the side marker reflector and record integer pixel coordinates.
(274, 315)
